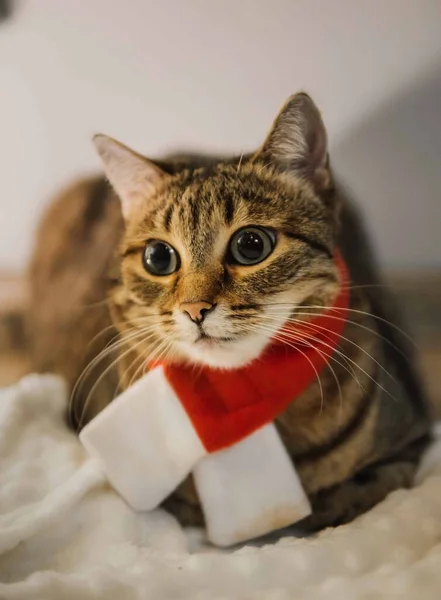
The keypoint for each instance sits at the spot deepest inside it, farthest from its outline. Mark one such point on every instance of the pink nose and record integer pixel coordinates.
(196, 310)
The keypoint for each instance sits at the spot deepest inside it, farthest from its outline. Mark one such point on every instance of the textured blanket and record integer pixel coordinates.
(65, 534)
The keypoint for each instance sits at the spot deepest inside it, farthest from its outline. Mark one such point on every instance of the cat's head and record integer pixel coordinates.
(215, 261)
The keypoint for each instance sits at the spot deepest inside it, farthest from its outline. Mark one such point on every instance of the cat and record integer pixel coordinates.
(234, 248)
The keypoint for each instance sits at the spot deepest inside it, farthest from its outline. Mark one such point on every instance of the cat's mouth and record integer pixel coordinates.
(222, 351)
(211, 340)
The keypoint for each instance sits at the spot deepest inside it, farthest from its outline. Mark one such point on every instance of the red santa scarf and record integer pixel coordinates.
(218, 425)
(227, 405)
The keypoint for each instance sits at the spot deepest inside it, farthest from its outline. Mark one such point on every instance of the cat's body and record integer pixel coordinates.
(357, 434)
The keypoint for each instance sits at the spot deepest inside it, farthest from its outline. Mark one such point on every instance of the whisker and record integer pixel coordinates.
(81, 381)
(369, 329)
(343, 356)
(350, 371)
(113, 326)
(103, 374)
(314, 326)
(144, 356)
(152, 354)
(392, 286)
(337, 381)
(121, 377)
(360, 368)
(329, 308)
(110, 347)
(265, 166)
(265, 329)
(103, 354)
(158, 354)
(363, 286)
(240, 163)
(81, 307)
(161, 355)
(348, 368)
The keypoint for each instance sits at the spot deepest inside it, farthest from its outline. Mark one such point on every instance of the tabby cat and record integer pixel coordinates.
(206, 259)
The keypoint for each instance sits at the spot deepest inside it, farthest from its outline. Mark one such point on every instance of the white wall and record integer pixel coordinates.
(212, 74)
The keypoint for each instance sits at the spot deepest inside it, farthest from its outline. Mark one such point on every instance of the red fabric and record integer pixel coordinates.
(227, 405)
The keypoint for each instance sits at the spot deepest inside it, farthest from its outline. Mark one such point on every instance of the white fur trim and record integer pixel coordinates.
(145, 442)
(249, 489)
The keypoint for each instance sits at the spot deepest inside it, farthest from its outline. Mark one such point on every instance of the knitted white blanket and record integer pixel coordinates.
(65, 534)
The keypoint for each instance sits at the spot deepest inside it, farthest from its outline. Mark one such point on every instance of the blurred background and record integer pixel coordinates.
(212, 75)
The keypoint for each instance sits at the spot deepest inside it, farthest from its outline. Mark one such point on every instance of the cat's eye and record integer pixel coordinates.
(160, 258)
(251, 245)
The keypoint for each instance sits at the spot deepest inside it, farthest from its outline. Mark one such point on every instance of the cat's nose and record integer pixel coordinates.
(197, 311)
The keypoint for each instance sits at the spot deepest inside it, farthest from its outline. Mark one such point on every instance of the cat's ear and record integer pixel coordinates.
(133, 177)
(297, 142)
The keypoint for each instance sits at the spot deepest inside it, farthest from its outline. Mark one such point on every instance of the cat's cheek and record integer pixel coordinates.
(219, 324)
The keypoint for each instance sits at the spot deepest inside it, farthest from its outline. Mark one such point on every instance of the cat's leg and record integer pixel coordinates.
(342, 503)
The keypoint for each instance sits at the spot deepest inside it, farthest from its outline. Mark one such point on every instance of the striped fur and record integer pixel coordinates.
(357, 433)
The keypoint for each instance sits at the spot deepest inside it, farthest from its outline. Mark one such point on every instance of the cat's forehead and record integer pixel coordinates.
(201, 211)
(224, 197)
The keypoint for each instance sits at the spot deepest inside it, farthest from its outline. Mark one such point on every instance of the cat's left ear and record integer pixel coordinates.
(133, 177)
(297, 142)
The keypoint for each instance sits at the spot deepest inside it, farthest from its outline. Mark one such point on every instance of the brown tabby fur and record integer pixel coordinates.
(351, 445)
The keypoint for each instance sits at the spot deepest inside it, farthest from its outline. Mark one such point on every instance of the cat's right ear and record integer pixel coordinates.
(297, 142)
(133, 177)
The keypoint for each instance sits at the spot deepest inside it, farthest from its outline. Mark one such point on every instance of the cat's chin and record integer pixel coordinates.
(224, 354)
